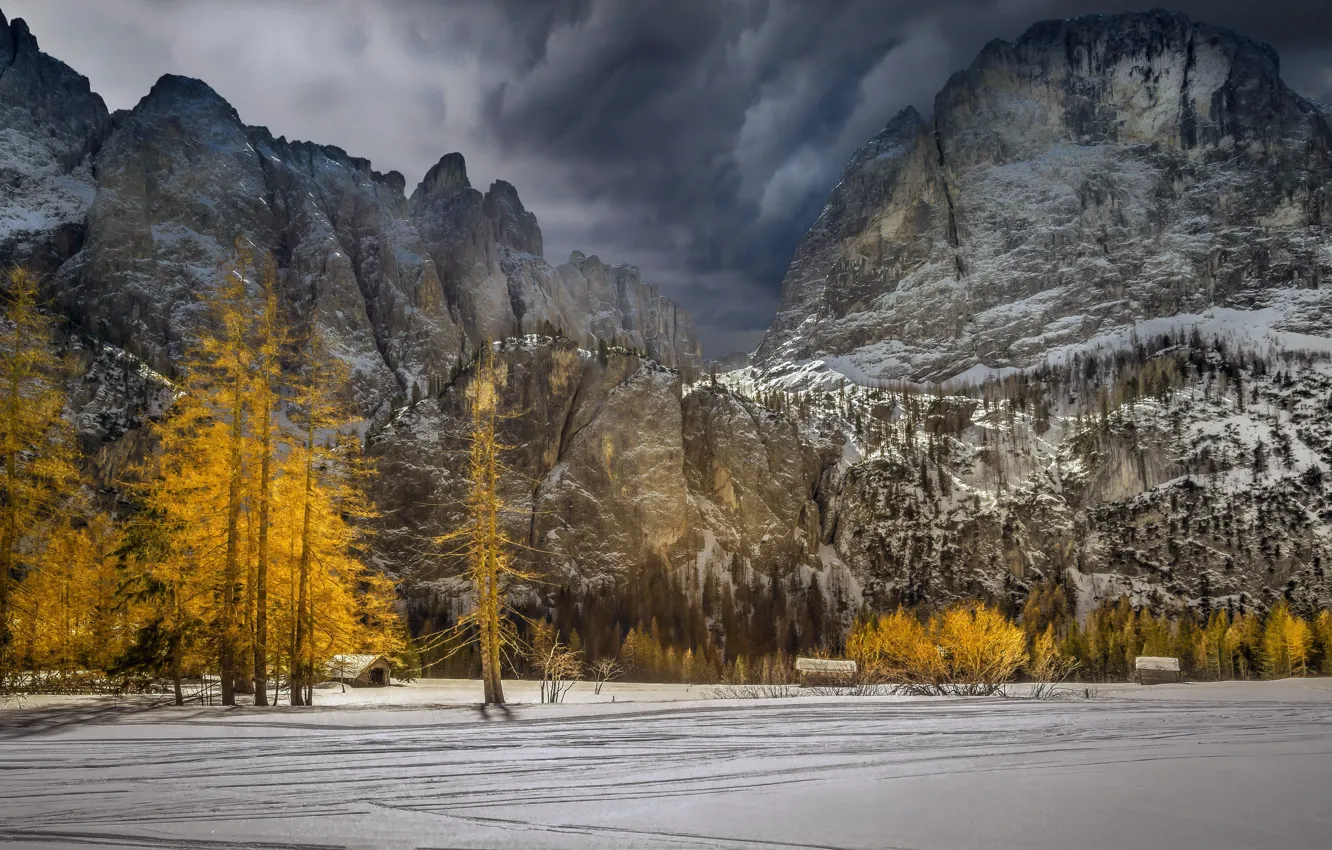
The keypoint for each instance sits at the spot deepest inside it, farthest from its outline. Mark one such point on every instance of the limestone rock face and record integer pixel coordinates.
(180, 179)
(756, 479)
(598, 461)
(620, 306)
(132, 216)
(50, 125)
(1097, 172)
(615, 469)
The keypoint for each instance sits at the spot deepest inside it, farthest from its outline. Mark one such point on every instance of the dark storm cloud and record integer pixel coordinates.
(694, 138)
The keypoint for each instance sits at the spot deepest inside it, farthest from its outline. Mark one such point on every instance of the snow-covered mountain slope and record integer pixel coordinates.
(1181, 469)
(1098, 172)
(50, 125)
(133, 213)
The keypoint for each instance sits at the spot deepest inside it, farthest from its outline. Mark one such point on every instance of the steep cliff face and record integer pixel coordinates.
(1097, 172)
(615, 465)
(133, 214)
(50, 126)
(617, 471)
(597, 463)
(1112, 238)
(488, 248)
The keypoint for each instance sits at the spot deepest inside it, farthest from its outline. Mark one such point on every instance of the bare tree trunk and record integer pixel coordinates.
(487, 539)
(488, 677)
(231, 573)
(497, 686)
(261, 570)
(310, 661)
(301, 671)
(244, 682)
(9, 535)
(175, 671)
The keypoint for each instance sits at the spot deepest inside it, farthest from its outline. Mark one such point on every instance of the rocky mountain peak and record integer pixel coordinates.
(515, 227)
(1150, 77)
(176, 95)
(889, 142)
(445, 177)
(393, 180)
(50, 123)
(1094, 173)
(6, 41)
(14, 37)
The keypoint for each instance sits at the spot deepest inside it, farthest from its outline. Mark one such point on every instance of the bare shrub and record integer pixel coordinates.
(1048, 668)
(560, 667)
(604, 670)
(751, 691)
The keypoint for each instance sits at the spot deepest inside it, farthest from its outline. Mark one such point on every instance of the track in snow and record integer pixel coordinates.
(848, 773)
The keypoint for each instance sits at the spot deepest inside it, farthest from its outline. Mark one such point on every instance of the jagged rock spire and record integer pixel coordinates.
(447, 175)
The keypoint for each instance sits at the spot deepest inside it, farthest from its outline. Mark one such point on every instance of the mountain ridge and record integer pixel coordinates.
(1104, 146)
(181, 171)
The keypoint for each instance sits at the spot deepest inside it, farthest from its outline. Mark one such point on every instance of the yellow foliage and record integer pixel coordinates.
(896, 646)
(256, 526)
(481, 540)
(66, 606)
(979, 645)
(37, 471)
(968, 648)
(1323, 638)
(1048, 662)
(1287, 640)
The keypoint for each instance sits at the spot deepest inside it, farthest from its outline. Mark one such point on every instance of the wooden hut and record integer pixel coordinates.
(360, 671)
(1154, 670)
(825, 672)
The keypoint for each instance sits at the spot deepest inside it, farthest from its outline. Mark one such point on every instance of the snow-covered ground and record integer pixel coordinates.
(1208, 765)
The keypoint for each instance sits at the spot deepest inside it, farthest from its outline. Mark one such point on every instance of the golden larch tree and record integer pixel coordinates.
(39, 471)
(267, 348)
(481, 540)
(327, 501)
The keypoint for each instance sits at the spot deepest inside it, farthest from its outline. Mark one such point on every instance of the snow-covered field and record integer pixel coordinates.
(1207, 765)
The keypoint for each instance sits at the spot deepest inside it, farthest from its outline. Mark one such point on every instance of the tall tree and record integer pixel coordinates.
(220, 371)
(181, 538)
(267, 349)
(328, 467)
(481, 540)
(39, 470)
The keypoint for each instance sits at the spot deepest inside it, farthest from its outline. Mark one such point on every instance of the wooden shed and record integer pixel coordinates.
(825, 672)
(1155, 670)
(360, 671)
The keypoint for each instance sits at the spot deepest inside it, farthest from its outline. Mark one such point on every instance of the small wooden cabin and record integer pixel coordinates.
(1154, 670)
(360, 671)
(825, 672)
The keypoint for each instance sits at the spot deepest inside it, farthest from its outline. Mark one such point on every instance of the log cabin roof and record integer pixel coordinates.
(352, 666)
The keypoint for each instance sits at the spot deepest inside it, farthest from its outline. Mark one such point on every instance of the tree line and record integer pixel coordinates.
(234, 552)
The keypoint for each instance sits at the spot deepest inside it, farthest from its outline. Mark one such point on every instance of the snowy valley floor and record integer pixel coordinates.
(1180, 766)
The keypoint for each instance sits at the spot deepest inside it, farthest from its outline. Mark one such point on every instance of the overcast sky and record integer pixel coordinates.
(696, 139)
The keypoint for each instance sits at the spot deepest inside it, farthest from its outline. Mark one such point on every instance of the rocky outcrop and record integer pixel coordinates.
(597, 464)
(1097, 172)
(50, 126)
(133, 215)
(758, 483)
(614, 465)
(624, 310)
